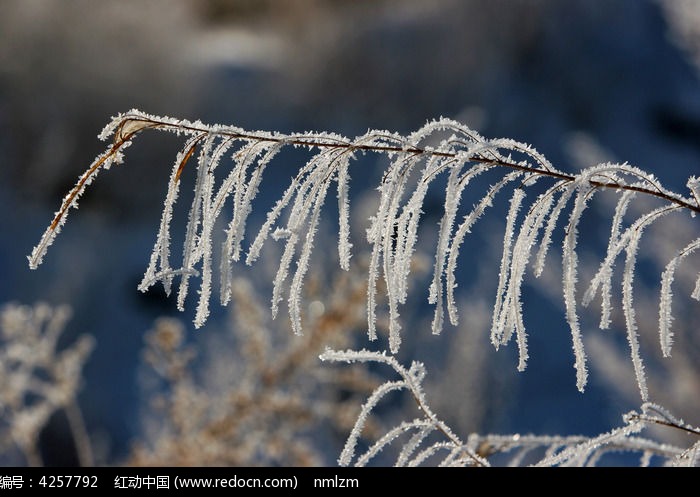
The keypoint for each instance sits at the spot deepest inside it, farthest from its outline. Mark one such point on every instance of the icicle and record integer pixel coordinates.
(551, 224)
(606, 306)
(570, 265)
(344, 245)
(458, 238)
(499, 318)
(521, 255)
(210, 212)
(295, 291)
(629, 313)
(456, 184)
(665, 316)
(160, 255)
(190, 252)
(407, 227)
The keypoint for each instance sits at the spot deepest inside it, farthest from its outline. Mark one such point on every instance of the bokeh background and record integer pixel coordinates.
(581, 81)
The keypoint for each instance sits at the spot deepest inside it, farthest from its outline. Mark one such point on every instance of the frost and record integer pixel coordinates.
(229, 166)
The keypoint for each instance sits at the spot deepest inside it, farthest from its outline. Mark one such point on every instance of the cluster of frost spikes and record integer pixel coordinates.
(440, 149)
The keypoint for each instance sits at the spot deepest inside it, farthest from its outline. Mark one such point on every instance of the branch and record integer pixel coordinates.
(454, 149)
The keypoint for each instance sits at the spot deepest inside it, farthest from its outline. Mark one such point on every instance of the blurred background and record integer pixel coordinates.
(581, 81)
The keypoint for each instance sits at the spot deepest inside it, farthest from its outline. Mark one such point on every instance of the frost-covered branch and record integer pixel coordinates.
(412, 381)
(540, 195)
(430, 440)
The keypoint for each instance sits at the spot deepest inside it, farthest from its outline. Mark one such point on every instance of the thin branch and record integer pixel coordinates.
(322, 141)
